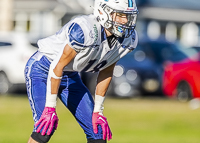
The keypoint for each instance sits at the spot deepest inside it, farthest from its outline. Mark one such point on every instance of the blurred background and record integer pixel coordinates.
(164, 66)
(169, 32)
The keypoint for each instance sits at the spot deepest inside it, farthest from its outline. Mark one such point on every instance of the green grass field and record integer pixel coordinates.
(131, 121)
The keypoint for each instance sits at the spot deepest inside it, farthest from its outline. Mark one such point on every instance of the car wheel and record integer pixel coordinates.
(4, 83)
(183, 91)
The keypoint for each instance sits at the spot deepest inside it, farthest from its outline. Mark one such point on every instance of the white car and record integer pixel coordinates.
(15, 50)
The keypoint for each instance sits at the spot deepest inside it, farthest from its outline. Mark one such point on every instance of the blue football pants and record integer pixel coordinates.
(72, 92)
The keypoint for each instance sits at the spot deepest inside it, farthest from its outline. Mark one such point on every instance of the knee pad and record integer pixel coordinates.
(40, 138)
(97, 141)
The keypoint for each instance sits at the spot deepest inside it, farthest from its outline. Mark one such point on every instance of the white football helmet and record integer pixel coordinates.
(103, 10)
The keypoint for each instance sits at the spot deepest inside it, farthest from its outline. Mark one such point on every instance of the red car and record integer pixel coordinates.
(182, 80)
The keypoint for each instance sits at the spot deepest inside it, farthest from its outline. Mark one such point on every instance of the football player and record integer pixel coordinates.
(90, 43)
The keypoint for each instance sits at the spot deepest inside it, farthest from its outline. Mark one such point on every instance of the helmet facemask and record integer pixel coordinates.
(127, 23)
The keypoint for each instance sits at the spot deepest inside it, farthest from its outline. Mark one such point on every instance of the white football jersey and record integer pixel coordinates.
(87, 37)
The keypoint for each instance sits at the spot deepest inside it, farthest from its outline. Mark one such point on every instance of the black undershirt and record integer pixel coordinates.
(111, 40)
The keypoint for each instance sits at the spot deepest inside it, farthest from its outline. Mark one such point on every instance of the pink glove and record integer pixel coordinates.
(98, 119)
(48, 120)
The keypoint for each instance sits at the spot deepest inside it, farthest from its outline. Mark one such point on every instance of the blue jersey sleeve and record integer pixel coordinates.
(76, 37)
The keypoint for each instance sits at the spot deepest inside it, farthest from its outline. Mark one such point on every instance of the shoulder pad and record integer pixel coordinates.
(131, 41)
(83, 31)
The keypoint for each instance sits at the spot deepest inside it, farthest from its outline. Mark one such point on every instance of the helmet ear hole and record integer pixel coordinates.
(107, 10)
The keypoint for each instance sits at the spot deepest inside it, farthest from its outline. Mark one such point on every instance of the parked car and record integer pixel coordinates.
(15, 50)
(140, 72)
(181, 79)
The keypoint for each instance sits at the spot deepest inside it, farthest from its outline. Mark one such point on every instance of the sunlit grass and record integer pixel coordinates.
(131, 121)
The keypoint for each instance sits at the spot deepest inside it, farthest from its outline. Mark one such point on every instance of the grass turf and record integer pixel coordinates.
(131, 120)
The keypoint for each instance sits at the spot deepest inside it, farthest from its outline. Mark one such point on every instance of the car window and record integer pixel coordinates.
(5, 44)
(197, 48)
(161, 52)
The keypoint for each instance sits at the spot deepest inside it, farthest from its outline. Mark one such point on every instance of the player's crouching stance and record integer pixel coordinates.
(90, 43)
